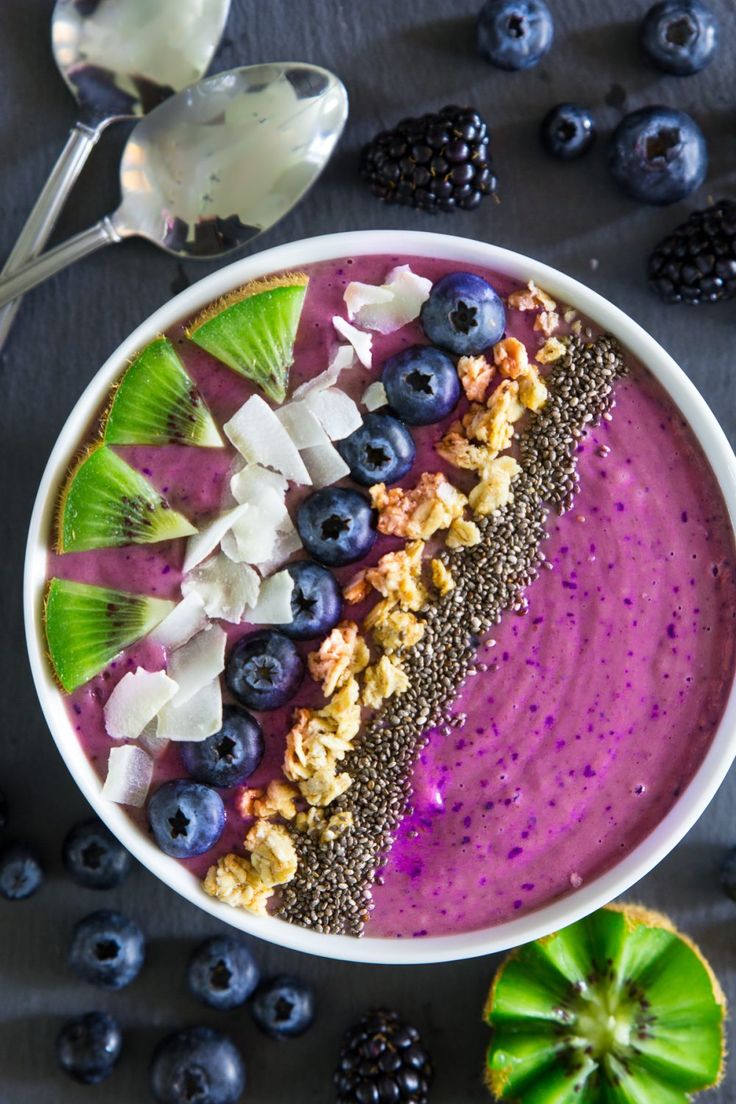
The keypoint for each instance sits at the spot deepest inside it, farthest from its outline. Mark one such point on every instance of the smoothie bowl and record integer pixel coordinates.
(380, 597)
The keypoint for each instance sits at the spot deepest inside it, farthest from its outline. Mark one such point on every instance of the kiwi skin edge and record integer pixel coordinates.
(635, 915)
(255, 287)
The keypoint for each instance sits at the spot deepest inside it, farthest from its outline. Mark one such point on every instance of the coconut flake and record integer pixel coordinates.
(135, 701)
(252, 478)
(196, 719)
(301, 425)
(274, 601)
(186, 619)
(150, 742)
(286, 545)
(224, 587)
(337, 413)
(343, 358)
(206, 541)
(357, 296)
(362, 342)
(129, 774)
(197, 663)
(252, 541)
(260, 438)
(374, 396)
(325, 464)
(407, 293)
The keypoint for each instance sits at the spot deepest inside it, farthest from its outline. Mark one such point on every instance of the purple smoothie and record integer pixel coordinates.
(587, 717)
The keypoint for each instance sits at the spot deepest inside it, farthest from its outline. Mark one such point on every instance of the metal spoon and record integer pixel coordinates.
(214, 166)
(118, 59)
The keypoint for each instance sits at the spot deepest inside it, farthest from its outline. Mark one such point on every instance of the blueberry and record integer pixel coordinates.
(88, 1047)
(514, 34)
(380, 451)
(222, 972)
(679, 36)
(658, 155)
(728, 874)
(93, 857)
(231, 755)
(21, 873)
(337, 525)
(107, 949)
(197, 1066)
(421, 383)
(264, 670)
(283, 1007)
(463, 314)
(567, 131)
(186, 818)
(316, 600)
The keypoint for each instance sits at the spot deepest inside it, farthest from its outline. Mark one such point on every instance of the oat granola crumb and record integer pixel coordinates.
(494, 423)
(325, 786)
(463, 534)
(551, 351)
(494, 490)
(533, 391)
(273, 855)
(510, 357)
(442, 577)
(382, 680)
(475, 374)
(431, 505)
(547, 322)
(234, 880)
(394, 629)
(342, 653)
(531, 298)
(278, 800)
(357, 590)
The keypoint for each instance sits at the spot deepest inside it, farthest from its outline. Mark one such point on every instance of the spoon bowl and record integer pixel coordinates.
(214, 166)
(122, 60)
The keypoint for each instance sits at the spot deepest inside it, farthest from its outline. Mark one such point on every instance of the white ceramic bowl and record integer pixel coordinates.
(293, 256)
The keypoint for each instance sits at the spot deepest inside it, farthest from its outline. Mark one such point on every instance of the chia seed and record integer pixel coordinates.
(331, 890)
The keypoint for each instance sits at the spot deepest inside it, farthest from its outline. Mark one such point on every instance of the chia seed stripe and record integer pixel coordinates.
(331, 891)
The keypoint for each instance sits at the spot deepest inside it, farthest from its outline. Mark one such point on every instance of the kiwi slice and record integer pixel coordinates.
(106, 503)
(87, 626)
(253, 330)
(157, 403)
(619, 1007)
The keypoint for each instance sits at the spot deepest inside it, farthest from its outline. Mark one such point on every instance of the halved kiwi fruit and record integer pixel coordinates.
(253, 330)
(87, 626)
(619, 1008)
(157, 403)
(106, 503)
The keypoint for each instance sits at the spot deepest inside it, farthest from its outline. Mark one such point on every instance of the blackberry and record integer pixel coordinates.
(439, 162)
(382, 1062)
(697, 262)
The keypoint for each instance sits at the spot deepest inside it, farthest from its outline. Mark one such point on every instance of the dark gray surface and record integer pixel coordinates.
(396, 58)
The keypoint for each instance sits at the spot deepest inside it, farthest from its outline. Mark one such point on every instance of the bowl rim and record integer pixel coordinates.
(368, 949)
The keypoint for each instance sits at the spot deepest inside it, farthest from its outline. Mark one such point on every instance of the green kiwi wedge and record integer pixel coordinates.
(106, 503)
(87, 626)
(253, 330)
(157, 403)
(619, 1008)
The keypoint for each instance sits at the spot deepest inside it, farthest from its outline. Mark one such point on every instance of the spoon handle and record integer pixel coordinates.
(42, 218)
(40, 269)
